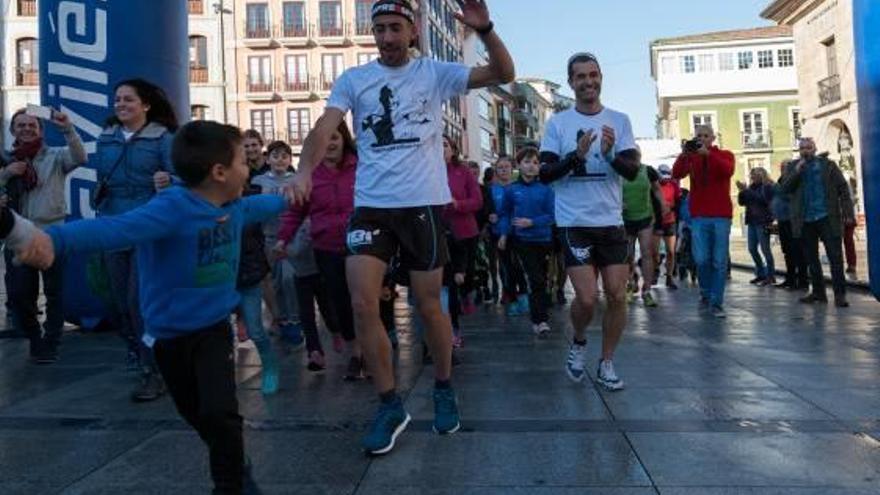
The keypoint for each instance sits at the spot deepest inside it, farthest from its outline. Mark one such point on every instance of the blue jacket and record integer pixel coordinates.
(757, 199)
(497, 193)
(188, 254)
(534, 201)
(131, 184)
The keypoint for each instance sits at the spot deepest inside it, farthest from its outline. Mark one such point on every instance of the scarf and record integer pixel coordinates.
(26, 152)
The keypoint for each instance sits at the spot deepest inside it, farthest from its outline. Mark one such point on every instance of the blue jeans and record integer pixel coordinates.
(711, 248)
(251, 308)
(123, 273)
(759, 237)
(284, 281)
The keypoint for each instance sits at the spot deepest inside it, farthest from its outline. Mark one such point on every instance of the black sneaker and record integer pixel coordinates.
(755, 280)
(355, 370)
(841, 302)
(149, 389)
(813, 298)
(670, 283)
(47, 353)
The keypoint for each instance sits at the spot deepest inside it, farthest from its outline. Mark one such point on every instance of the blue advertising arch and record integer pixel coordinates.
(866, 25)
(86, 48)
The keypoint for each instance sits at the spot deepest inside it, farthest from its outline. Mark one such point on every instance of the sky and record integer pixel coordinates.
(542, 34)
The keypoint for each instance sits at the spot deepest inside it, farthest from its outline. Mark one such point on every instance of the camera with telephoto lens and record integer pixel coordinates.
(693, 145)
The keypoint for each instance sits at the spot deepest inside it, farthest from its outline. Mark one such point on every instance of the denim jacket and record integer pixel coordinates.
(131, 184)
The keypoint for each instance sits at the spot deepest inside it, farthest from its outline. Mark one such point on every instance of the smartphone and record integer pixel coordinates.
(40, 112)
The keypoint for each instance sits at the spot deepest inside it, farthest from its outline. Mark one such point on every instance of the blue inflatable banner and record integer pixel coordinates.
(866, 19)
(86, 48)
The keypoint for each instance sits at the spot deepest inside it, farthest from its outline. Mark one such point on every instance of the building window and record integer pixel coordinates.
(754, 132)
(298, 125)
(725, 61)
(297, 72)
(332, 66)
(785, 57)
(27, 8)
(259, 74)
(701, 119)
(365, 58)
(485, 140)
(294, 20)
(199, 112)
(667, 65)
(363, 19)
(687, 64)
(706, 62)
(753, 163)
(257, 20)
(28, 63)
(765, 59)
(831, 56)
(484, 108)
(331, 18)
(195, 7)
(746, 60)
(263, 121)
(198, 59)
(796, 126)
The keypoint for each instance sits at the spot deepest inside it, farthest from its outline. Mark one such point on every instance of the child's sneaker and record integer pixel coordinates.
(291, 334)
(541, 329)
(446, 417)
(338, 343)
(607, 377)
(316, 361)
(523, 303)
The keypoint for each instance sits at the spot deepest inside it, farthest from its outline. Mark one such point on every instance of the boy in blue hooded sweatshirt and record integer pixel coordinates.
(527, 217)
(188, 243)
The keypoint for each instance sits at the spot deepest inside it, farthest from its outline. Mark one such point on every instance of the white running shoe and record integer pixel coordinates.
(576, 363)
(607, 377)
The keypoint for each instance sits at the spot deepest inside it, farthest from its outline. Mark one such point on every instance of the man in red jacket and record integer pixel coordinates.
(710, 169)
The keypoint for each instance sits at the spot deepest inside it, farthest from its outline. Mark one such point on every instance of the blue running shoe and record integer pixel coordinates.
(523, 304)
(391, 420)
(446, 418)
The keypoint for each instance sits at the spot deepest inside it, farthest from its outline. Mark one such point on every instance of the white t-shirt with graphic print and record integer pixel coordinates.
(592, 196)
(398, 121)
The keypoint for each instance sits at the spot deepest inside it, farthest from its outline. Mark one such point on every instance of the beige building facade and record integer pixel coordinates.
(823, 35)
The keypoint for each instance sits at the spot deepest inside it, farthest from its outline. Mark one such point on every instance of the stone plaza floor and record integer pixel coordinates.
(777, 399)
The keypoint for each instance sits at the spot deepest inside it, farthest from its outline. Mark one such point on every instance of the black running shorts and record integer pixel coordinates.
(594, 246)
(417, 234)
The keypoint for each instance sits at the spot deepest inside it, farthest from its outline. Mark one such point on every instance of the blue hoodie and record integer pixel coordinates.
(497, 193)
(532, 200)
(187, 253)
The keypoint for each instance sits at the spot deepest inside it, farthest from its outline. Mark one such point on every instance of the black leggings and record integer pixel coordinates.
(308, 290)
(332, 268)
(513, 279)
(534, 259)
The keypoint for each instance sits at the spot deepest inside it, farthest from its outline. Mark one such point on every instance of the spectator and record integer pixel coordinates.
(796, 274)
(36, 173)
(757, 197)
(820, 209)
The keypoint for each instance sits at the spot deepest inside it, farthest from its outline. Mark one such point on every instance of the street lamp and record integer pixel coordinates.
(220, 9)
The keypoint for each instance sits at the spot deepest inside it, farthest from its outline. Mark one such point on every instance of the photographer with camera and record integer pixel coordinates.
(34, 181)
(710, 169)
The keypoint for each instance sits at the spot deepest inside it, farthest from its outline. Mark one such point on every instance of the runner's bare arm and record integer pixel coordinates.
(315, 144)
(626, 163)
(475, 15)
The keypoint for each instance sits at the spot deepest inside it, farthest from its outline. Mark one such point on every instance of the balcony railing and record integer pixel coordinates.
(257, 32)
(294, 31)
(364, 29)
(295, 86)
(195, 7)
(829, 90)
(331, 31)
(327, 82)
(198, 75)
(756, 140)
(260, 86)
(296, 138)
(27, 77)
(27, 8)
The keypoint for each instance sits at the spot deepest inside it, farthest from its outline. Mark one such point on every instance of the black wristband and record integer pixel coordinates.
(486, 30)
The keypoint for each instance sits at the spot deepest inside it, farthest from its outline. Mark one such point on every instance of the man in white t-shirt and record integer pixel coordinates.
(400, 189)
(586, 154)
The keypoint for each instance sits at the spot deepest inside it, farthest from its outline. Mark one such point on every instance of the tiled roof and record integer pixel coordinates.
(736, 35)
